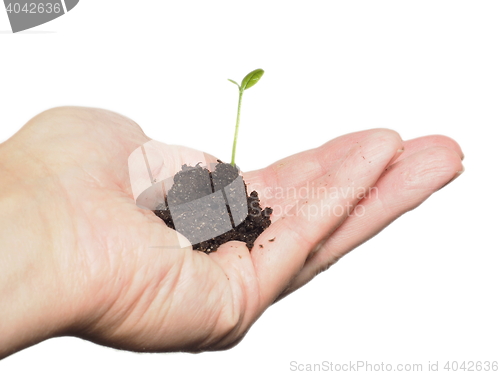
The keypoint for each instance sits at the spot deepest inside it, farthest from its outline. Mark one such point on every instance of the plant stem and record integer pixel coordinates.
(237, 127)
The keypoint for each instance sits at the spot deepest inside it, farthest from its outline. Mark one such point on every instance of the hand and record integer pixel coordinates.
(79, 257)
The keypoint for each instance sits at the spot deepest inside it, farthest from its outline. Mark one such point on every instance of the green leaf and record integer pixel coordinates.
(251, 79)
(230, 80)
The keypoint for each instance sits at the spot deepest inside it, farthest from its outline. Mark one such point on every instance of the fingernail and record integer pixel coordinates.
(396, 156)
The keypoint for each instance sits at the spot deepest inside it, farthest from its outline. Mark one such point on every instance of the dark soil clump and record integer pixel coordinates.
(204, 209)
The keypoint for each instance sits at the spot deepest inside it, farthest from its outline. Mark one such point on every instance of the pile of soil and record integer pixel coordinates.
(192, 183)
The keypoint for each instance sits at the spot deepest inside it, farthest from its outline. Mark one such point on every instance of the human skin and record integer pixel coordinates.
(75, 250)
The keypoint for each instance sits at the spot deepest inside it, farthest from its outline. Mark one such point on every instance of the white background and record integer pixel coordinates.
(426, 288)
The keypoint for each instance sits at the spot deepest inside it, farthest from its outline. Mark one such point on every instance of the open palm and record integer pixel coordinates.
(110, 258)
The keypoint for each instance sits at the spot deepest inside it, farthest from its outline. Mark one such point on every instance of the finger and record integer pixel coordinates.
(273, 182)
(404, 186)
(304, 166)
(297, 170)
(279, 254)
(418, 144)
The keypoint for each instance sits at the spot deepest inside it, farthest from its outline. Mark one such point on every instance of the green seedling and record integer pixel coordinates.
(250, 80)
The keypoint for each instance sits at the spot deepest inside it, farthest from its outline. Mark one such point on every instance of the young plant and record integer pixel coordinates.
(250, 80)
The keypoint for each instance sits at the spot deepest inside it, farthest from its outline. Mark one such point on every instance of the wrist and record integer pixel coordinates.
(32, 298)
